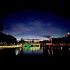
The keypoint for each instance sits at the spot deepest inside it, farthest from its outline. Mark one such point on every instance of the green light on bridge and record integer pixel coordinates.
(26, 46)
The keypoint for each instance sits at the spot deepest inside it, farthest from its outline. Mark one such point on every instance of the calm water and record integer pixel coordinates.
(51, 51)
(47, 51)
(58, 50)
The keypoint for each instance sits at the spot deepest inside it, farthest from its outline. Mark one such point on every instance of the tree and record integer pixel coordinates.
(21, 41)
(7, 38)
(10, 39)
(68, 39)
(54, 40)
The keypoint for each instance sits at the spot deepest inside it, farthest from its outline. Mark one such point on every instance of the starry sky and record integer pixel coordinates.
(35, 24)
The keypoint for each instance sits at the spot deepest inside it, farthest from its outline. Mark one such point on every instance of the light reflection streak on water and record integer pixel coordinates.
(33, 52)
(61, 48)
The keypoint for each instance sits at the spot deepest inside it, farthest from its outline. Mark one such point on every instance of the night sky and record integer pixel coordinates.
(26, 24)
(34, 24)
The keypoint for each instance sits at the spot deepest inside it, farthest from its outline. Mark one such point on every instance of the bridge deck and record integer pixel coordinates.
(12, 46)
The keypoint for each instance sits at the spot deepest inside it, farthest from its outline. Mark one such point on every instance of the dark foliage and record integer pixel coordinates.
(7, 39)
(65, 40)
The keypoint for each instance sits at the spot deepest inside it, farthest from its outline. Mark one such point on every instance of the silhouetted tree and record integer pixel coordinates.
(21, 41)
(10, 39)
(67, 39)
(54, 40)
(7, 38)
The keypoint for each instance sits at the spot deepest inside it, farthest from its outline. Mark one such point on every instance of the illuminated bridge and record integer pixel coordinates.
(12, 46)
(20, 45)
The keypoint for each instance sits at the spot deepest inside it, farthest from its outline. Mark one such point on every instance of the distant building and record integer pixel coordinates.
(32, 40)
